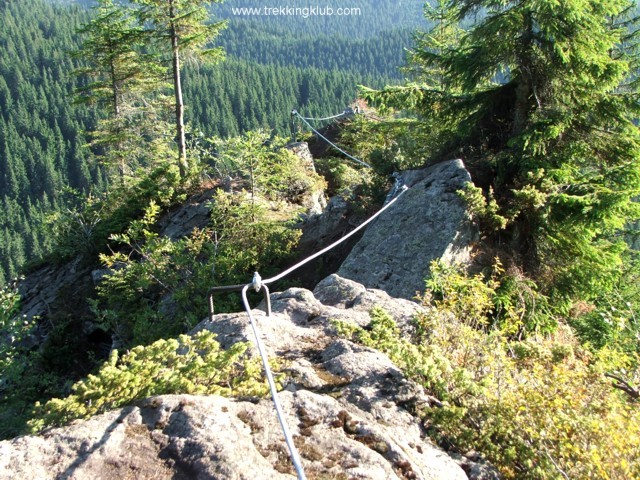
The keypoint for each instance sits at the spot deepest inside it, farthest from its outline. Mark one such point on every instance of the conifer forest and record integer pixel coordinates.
(115, 112)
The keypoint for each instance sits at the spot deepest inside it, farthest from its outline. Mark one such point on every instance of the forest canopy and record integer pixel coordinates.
(50, 159)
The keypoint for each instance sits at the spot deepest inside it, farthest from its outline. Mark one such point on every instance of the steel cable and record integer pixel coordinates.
(294, 112)
(259, 284)
(293, 452)
(312, 119)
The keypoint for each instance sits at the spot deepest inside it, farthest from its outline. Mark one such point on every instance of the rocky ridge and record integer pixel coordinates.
(348, 407)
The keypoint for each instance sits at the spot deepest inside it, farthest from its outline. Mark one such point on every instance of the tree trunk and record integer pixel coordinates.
(521, 108)
(524, 89)
(177, 87)
(117, 114)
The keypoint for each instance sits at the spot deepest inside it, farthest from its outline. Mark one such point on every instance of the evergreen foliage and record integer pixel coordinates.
(538, 408)
(543, 96)
(82, 231)
(42, 151)
(194, 365)
(266, 166)
(159, 286)
(125, 82)
(540, 100)
(52, 150)
(539, 97)
(21, 379)
(262, 96)
(378, 57)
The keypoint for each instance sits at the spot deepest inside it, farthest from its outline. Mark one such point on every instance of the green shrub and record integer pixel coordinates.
(507, 300)
(344, 179)
(266, 167)
(159, 287)
(84, 229)
(611, 319)
(393, 144)
(9, 305)
(483, 209)
(22, 380)
(537, 408)
(193, 365)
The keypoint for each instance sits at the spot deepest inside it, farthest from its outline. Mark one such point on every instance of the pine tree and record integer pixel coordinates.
(180, 27)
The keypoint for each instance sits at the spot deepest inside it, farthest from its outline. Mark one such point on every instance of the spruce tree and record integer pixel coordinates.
(122, 77)
(542, 95)
(180, 28)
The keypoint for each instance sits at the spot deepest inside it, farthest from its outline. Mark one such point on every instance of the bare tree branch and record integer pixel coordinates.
(623, 385)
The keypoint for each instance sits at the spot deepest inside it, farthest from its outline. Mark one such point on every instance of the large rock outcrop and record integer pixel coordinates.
(348, 407)
(194, 213)
(429, 221)
(313, 201)
(44, 290)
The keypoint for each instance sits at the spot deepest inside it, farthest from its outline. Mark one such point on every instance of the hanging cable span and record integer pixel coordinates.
(295, 112)
(261, 285)
(343, 114)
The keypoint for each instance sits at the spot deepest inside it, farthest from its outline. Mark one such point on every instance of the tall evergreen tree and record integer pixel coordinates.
(542, 94)
(122, 75)
(180, 26)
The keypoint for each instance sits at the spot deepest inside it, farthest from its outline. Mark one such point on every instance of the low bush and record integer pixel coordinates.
(193, 365)
(158, 287)
(22, 378)
(539, 407)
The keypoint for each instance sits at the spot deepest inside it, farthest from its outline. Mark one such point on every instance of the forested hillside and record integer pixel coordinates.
(528, 351)
(377, 56)
(42, 148)
(362, 18)
(272, 66)
(370, 39)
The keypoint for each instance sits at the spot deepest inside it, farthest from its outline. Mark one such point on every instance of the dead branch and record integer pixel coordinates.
(623, 385)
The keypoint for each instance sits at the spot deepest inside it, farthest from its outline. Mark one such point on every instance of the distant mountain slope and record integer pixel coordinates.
(381, 55)
(273, 65)
(357, 19)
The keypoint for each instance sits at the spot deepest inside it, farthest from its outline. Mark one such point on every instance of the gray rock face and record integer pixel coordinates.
(43, 288)
(429, 221)
(193, 214)
(344, 403)
(301, 150)
(320, 230)
(314, 202)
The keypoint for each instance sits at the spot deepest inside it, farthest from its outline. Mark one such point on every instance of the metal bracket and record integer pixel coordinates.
(236, 288)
